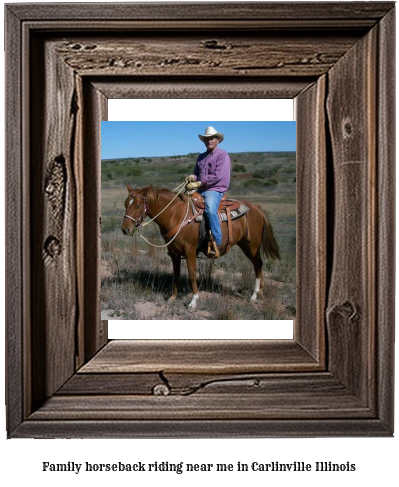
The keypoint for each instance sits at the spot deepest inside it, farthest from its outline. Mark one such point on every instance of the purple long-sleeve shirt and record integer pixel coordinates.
(213, 170)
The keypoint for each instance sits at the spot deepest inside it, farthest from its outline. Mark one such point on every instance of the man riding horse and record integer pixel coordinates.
(253, 234)
(211, 179)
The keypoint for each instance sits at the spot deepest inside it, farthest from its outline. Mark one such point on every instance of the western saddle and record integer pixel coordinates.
(228, 210)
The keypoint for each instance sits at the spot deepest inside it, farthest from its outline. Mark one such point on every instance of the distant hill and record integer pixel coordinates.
(250, 170)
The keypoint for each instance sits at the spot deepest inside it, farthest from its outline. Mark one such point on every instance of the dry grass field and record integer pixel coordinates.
(136, 279)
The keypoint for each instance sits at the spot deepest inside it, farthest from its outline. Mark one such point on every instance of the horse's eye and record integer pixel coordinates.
(137, 206)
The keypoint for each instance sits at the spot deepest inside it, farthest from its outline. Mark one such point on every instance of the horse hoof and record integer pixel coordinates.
(171, 299)
(193, 303)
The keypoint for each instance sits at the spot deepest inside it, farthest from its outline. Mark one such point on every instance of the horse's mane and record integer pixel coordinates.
(152, 192)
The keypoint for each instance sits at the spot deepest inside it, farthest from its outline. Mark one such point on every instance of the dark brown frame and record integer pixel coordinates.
(336, 377)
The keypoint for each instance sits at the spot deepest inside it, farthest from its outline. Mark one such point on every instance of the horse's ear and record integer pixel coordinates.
(129, 188)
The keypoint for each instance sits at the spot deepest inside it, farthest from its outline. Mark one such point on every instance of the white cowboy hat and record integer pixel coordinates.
(211, 132)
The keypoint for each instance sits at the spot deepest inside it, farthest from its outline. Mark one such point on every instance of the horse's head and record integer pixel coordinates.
(136, 210)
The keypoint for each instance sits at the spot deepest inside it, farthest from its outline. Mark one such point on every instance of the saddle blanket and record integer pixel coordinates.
(236, 213)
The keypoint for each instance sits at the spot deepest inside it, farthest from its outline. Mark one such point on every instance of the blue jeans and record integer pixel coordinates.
(212, 200)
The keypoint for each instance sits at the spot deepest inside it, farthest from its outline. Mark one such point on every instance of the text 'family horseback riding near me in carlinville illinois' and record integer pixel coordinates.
(181, 467)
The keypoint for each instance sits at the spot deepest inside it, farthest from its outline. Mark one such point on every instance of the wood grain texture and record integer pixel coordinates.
(53, 214)
(279, 11)
(111, 384)
(338, 383)
(134, 87)
(89, 396)
(250, 428)
(311, 218)
(95, 331)
(385, 224)
(200, 356)
(352, 126)
(15, 219)
(78, 175)
(185, 384)
(246, 55)
(298, 24)
(203, 407)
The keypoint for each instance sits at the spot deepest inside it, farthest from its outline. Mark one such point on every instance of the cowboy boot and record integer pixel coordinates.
(213, 249)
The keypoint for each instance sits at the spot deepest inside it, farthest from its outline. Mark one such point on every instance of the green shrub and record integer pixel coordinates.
(134, 171)
(264, 172)
(253, 183)
(270, 182)
(239, 168)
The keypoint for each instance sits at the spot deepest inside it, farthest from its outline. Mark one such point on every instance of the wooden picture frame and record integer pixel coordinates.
(64, 379)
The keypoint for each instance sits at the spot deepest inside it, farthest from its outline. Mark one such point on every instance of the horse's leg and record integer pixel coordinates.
(191, 257)
(259, 280)
(176, 260)
(256, 259)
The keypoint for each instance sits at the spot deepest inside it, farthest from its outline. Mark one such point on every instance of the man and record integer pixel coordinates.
(212, 178)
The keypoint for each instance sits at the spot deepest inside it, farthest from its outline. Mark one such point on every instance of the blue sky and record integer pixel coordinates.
(146, 139)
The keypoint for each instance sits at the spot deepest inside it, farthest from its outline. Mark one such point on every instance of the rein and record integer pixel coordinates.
(139, 223)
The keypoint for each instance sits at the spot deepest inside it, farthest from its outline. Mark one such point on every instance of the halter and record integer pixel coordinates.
(138, 223)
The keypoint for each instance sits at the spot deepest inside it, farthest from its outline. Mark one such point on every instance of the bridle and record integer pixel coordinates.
(139, 221)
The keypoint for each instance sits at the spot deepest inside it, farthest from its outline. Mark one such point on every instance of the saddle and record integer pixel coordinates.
(226, 206)
(229, 209)
(199, 203)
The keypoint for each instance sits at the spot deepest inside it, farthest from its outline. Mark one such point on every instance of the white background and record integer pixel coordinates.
(376, 459)
(193, 109)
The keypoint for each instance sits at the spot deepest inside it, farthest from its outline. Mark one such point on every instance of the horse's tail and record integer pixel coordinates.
(269, 246)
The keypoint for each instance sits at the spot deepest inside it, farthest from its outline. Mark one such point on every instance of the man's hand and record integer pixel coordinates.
(190, 179)
(191, 186)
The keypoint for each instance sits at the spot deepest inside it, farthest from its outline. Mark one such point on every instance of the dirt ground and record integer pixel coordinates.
(150, 309)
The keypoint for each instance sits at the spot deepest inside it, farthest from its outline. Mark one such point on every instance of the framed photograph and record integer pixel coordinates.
(139, 251)
(65, 378)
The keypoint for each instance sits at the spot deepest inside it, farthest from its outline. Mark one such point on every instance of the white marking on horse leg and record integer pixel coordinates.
(193, 303)
(257, 289)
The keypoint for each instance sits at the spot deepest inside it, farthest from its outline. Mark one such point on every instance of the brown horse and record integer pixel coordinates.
(251, 232)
